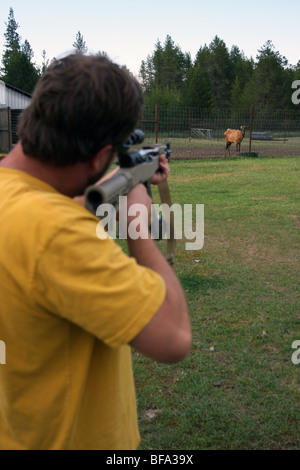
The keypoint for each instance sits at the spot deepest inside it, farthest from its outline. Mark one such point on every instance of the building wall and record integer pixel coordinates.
(2, 95)
(12, 97)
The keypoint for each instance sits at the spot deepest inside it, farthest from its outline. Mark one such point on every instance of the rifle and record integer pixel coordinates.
(134, 168)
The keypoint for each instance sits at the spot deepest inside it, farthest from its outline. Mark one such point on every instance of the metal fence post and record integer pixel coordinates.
(251, 121)
(156, 123)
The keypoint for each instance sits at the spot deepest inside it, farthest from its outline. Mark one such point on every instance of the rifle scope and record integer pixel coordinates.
(135, 138)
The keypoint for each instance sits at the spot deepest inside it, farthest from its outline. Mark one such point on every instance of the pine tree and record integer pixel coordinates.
(267, 87)
(79, 44)
(11, 35)
(21, 73)
(26, 48)
(198, 90)
(45, 62)
(220, 73)
(165, 70)
(18, 69)
(12, 43)
(242, 70)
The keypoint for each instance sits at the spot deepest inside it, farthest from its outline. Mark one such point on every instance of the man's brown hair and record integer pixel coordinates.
(80, 104)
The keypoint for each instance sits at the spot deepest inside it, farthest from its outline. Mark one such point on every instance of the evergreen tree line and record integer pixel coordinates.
(18, 68)
(216, 79)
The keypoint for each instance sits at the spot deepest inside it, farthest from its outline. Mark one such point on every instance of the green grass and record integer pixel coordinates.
(238, 389)
(290, 142)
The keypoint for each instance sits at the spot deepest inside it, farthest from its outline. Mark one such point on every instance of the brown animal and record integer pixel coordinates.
(234, 136)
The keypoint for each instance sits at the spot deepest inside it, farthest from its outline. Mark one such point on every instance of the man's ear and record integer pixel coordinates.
(100, 159)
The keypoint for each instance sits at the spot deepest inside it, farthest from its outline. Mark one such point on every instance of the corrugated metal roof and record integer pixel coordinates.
(18, 90)
(12, 97)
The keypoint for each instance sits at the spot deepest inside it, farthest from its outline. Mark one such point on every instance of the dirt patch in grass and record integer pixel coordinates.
(215, 151)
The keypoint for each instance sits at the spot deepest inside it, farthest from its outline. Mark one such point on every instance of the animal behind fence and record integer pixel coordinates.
(234, 136)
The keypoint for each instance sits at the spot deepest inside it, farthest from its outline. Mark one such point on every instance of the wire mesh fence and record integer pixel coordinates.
(5, 130)
(199, 133)
(8, 128)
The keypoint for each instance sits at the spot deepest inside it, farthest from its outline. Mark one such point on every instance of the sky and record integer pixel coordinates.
(128, 30)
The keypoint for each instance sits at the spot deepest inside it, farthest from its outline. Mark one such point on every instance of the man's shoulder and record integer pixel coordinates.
(32, 207)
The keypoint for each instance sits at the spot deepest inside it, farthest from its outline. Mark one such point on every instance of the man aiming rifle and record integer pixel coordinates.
(135, 167)
(72, 305)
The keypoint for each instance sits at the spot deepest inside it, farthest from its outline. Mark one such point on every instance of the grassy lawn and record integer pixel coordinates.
(238, 389)
(291, 142)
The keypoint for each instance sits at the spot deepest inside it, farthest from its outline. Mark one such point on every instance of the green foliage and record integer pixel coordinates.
(297, 71)
(45, 62)
(11, 35)
(18, 70)
(79, 44)
(198, 91)
(238, 389)
(165, 69)
(267, 83)
(219, 70)
(164, 96)
(218, 78)
(242, 70)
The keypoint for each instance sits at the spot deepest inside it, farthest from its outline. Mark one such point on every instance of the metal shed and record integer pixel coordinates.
(12, 97)
(12, 102)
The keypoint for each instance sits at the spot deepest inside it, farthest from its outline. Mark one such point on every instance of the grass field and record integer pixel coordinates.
(198, 148)
(239, 388)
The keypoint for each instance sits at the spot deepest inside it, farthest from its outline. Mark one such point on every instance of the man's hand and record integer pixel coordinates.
(163, 172)
(139, 196)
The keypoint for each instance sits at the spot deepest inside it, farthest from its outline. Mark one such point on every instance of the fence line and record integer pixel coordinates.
(199, 133)
(5, 130)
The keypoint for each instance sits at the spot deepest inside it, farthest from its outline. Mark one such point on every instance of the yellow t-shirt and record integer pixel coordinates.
(69, 305)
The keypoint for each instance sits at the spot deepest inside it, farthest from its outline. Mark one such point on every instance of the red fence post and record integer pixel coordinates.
(251, 121)
(156, 123)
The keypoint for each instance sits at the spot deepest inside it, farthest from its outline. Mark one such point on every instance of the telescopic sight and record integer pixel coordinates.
(135, 138)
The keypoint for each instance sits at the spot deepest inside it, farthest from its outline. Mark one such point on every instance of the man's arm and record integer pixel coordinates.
(167, 337)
